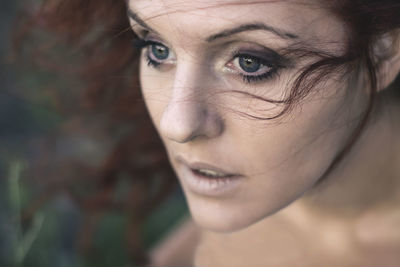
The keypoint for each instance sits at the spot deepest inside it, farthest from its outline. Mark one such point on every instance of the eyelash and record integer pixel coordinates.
(141, 44)
(257, 78)
(248, 79)
(152, 63)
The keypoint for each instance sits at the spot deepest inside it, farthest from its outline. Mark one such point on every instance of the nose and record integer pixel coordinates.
(189, 113)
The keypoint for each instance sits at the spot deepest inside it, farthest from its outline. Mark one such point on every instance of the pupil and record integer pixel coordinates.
(249, 64)
(160, 52)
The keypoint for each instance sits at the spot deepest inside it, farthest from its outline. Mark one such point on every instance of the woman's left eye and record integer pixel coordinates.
(249, 64)
(251, 68)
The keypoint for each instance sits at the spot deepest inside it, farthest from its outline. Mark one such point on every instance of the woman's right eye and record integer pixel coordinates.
(160, 52)
(156, 53)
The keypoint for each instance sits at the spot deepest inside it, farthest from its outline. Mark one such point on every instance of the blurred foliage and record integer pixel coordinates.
(21, 239)
(50, 237)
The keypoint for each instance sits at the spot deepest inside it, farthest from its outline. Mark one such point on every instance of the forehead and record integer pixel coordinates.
(307, 19)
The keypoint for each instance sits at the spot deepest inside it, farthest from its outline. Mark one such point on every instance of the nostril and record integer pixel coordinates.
(175, 131)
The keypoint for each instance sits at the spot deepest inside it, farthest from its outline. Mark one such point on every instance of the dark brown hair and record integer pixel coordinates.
(95, 40)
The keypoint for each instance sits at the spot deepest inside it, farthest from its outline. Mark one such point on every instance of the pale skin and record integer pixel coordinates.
(278, 216)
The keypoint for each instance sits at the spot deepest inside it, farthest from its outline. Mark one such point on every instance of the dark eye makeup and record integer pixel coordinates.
(256, 66)
(251, 66)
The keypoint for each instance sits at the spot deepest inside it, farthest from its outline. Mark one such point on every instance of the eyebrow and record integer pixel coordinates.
(225, 33)
(134, 16)
(251, 27)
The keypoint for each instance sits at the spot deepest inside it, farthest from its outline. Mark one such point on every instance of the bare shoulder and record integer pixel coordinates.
(178, 248)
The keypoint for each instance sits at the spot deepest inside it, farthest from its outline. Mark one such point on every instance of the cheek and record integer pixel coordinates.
(308, 137)
(287, 157)
(154, 86)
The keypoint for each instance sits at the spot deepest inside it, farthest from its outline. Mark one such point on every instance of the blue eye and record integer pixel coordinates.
(249, 64)
(156, 53)
(159, 51)
(254, 68)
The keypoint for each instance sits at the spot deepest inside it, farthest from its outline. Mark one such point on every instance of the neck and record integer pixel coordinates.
(369, 175)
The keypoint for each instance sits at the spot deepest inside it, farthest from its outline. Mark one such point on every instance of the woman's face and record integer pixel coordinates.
(206, 67)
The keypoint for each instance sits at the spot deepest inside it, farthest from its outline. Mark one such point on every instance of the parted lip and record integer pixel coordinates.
(205, 166)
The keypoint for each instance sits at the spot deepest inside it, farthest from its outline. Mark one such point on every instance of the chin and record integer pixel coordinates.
(219, 225)
(221, 217)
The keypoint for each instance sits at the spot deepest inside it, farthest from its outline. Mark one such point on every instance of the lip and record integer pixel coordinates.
(201, 165)
(208, 186)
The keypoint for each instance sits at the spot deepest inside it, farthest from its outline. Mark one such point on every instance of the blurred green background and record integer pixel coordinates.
(50, 238)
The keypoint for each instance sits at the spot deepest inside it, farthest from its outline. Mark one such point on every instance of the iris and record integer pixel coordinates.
(249, 64)
(160, 52)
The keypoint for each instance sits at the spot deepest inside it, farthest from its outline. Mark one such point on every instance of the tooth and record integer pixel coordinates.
(211, 173)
